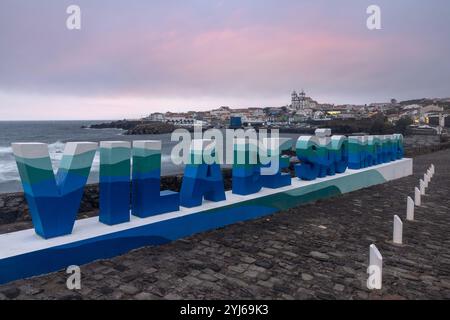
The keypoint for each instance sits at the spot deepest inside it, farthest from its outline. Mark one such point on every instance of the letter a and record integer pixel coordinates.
(73, 22)
(201, 180)
(374, 20)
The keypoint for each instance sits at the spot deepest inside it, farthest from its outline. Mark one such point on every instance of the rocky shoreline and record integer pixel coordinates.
(136, 127)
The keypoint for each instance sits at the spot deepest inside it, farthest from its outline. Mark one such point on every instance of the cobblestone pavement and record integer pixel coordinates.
(316, 251)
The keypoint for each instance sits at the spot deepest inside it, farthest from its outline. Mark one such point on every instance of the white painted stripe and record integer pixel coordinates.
(115, 144)
(76, 148)
(30, 150)
(148, 144)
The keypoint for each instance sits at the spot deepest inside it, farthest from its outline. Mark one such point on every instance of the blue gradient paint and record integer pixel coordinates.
(147, 199)
(201, 181)
(246, 172)
(115, 184)
(54, 202)
(280, 178)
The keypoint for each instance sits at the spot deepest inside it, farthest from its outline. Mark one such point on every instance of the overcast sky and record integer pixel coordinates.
(135, 57)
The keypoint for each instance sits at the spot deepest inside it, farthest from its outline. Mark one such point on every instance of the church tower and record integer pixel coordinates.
(295, 101)
(302, 100)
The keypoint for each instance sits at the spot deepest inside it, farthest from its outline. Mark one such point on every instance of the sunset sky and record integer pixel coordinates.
(135, 57)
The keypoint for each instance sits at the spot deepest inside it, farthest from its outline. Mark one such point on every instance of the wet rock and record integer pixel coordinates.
(319, 255)
(129, 289)
(11, 292)
(267, 264)
(307, 277)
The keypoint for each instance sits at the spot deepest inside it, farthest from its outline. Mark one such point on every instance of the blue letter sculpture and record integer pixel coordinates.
(246, 174)
(275, 148)
(147, 199)
(54, 203)
(115, 184)
(201, 179)
(398, 146)
(366, 151)
(321, 155)
(375, 150)
(339, 153)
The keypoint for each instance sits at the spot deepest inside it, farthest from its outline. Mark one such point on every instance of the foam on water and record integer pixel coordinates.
(5, 150)
(8, 167)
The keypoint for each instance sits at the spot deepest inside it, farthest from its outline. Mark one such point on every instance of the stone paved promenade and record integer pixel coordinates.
(316, 251)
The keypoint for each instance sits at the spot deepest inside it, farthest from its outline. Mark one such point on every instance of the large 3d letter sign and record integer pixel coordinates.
(201, 179)
(321, 155)
(134, 212)
(115, 182)
(366, 151)
(276, 149)
(147, 199)
(53, 203)
(246, 168)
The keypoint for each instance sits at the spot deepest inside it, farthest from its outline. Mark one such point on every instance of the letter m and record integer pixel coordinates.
(54, 201)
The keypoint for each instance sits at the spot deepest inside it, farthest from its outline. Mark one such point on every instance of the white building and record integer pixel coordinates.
(432, 108)
(157, 116)
(178, 118)
(298, 100)
(222, 113)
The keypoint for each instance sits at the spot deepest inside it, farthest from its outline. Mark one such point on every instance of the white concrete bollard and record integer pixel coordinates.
(417, 201)
(425, 180)
(433, 169)
(422, 187)
(398, 230)
(409, 209)
(375, 269)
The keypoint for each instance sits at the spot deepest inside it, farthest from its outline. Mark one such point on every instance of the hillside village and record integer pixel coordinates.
(422, 115)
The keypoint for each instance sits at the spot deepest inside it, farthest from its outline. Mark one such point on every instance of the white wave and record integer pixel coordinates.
(5, 150)
(8, 167)
(57, 147)
(8, 171)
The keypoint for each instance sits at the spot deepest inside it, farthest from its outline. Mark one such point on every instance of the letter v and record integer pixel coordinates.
(54, 203)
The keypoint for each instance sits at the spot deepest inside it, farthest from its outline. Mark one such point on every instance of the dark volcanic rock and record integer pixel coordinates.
(120, 124)
(135, 127)
(151, 128)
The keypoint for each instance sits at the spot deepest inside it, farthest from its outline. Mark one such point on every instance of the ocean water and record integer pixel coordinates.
(56, 134)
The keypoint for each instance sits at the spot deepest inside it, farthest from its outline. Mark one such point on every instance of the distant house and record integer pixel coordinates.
(223, 113)
(178, 118)
(412, 107)
(432, 108)
(157, 116)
